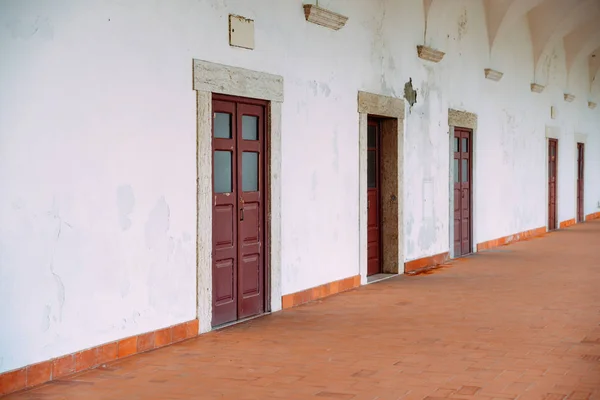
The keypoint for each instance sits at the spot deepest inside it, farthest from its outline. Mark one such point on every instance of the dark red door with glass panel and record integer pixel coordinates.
(462, 192)
(580, 168)
(552, 163)
(238, 209)
(373, 196)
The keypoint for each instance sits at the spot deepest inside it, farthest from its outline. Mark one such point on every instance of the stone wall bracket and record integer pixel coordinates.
(493, 75)
(537, 88)
(569, 97)
(323, 17)
(591, 105)
(430, 54)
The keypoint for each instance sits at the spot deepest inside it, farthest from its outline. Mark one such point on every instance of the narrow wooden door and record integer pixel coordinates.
(580, 180)
(462, 192)
(238, 209)
(373, 198)
(552, 161)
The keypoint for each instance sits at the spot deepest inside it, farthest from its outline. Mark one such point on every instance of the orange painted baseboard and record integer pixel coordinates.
(417, 265)
(567, 223)
(37, 374)
(517, 237)
(590, 217)
(319, 292)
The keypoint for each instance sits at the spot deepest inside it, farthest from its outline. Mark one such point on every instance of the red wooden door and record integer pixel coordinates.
(373, 196)
(462, 192)
(580, 167)
(238, 209)
(552, 160)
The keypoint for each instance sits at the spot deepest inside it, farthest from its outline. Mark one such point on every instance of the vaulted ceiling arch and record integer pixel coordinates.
(545, 21)
(574, 22)
(554, 20)
(594, 68)
(426, 7)
(580, 46)
(501, 15)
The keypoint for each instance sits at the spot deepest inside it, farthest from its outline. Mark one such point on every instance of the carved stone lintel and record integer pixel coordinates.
(430, 54)
(462, 119)
(537, 88)
(493, 75)
(385, 106)
(323, 17)
(569, 97)
(235, 81)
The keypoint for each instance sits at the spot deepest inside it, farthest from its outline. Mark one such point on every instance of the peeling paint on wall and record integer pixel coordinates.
(325, 90)
(157, 224)
(409, 93)
(462, 24)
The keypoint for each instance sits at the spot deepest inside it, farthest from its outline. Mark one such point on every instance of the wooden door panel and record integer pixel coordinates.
(552, 179)
(373, 233)
(372, 214)
(373, 266)
(462, 192)
(224, 289)
(580, 181)
(250, 142)
(223, 236)
(224, 280)
(373, 199)
(465, 242)
(238, 204)
(250, 225)
(250, 271)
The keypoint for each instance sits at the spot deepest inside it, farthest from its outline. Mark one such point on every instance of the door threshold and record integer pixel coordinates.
(379, 277)
(239, 321)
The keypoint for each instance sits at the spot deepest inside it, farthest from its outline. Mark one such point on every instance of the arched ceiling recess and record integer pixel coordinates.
(581, 44)
(554, 20)
(548, 22)
(501, 15)
(426, 8)
(594, 65)
(576, 22)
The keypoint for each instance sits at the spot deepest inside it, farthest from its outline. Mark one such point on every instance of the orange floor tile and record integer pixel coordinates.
(518, 322)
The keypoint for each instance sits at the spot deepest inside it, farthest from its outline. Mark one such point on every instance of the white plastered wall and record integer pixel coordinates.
(98, 168)
(98, 134)
(510, 170)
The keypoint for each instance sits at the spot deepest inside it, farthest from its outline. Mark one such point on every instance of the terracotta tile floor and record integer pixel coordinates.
(519, 322)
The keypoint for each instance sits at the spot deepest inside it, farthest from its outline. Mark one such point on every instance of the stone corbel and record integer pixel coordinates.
(493, 75)
(537, 88)
(320, 16)
(430, 54)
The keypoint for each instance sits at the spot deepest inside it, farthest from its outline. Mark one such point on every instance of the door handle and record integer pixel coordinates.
(241, 209)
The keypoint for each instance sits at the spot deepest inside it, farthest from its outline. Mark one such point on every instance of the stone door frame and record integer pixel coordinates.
(209, 78)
